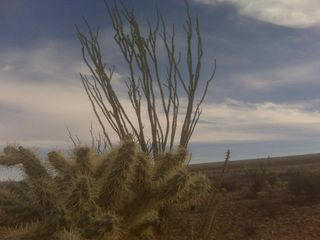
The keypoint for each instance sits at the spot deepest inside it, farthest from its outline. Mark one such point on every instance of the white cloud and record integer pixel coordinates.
(291, 13)
(39, 113)
(238, 121)
(41, 95)
(6, 68)
(269, 78)
(36, 112)
(44, 95)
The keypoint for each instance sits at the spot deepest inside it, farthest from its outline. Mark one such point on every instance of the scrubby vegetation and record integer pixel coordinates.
(263, 201)
(305, 185)
(259, 179)
(119, 195)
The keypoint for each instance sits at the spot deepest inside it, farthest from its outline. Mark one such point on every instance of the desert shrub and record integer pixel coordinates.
(258, 178)
(305, 185)
(271, 198)
(231, 184)
(117, 195)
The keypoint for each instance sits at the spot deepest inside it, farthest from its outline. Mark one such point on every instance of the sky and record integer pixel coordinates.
(265, 98)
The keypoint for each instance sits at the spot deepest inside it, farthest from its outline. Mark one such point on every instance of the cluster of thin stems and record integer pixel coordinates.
(153, 85)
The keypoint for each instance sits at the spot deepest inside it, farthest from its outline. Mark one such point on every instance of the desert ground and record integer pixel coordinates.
(261, 199)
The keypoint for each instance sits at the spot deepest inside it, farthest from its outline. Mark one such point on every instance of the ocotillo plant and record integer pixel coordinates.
(117, 195)
(163, 76)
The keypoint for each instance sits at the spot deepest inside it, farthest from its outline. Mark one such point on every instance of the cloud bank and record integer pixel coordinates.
(294, 74)
(290, 13)
(233, 120)
(40, 97)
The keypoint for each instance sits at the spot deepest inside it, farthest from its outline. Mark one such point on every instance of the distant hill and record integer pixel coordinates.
(284, 163)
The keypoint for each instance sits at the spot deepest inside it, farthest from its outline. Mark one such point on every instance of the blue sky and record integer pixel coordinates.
(265, 99)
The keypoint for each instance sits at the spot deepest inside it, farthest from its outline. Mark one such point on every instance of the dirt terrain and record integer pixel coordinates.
(273, 212)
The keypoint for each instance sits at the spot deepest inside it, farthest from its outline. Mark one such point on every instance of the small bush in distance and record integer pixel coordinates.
(231, 183)
(260, 177)
(117, 195)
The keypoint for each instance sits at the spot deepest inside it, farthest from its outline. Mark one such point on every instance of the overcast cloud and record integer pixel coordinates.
(266, 88)
(290, 13)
